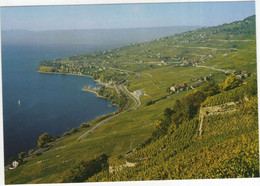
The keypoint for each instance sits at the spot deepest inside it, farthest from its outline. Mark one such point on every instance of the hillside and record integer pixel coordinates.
(165, 136)
(227, 148)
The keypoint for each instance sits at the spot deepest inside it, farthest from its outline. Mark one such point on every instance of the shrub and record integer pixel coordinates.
(43, 140)
(21, 155)
(30, 151)
(65, 134)
(74, 130)
(84, 125)
(150, 102)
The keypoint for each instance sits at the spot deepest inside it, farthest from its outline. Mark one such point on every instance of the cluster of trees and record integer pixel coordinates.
(150, 102)
(208, 94)
(115, 98)
(184, 109)
(238, 93)
(85, 169)
(45, 139)
(230, 82)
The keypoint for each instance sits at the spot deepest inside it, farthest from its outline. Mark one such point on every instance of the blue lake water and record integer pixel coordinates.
(49, 103)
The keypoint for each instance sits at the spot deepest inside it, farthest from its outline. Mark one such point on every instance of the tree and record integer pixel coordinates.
(30, 151)
(63, 70)
(84, 125)
(210, 88)
(21, 155)
(95, 75)
(102, 78)
(167, 114)
(43, 140)
(74, 130)
(150, 102)
(231, 82)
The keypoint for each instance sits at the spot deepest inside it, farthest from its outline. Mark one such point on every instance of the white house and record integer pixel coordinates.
(15, 164)
(138, 93)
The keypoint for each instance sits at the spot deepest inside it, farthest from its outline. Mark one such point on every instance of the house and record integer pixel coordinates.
(179, 87)
(14, 165)
(173, 88)
(138, 93)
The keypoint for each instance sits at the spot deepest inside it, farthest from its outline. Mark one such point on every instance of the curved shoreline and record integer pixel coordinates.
(93, 91)
(70, 74)
(122, 87)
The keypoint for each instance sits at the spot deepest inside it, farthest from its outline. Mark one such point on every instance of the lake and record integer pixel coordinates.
(48, 103)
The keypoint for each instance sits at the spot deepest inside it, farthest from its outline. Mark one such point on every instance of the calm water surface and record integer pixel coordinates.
(49, 103)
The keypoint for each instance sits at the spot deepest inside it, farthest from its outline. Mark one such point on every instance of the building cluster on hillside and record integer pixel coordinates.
(241, 74)
(179, 88)
(194, 61)
(195, 82)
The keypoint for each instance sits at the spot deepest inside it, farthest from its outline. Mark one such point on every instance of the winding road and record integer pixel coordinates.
(124, 89)
(212, 68)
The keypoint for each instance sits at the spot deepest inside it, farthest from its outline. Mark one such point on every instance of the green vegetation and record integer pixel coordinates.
(231, 82)
(44, 139)
(21, 155)
(45, 69)
(116, 98)
(30, 151)
(85, 169)
(84, 125)
(235, 95)
(162, 135)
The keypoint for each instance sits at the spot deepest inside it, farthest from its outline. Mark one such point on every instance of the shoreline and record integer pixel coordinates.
(85, 90)
(70, 74)
(92, 91)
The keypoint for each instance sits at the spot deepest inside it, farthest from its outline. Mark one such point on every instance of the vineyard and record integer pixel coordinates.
(227, 148)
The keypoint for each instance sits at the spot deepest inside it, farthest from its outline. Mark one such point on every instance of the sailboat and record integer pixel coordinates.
(19, 102)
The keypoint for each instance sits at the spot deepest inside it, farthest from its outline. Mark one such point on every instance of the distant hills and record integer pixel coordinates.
(92, 39)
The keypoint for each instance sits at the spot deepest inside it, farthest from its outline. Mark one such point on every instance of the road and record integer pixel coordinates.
(136, 100)
(212, 68)
(124, 89)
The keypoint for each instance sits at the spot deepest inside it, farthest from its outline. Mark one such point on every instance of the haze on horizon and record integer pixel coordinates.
(85, 17)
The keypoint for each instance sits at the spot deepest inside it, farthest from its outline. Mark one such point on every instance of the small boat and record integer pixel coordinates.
(19, 102)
